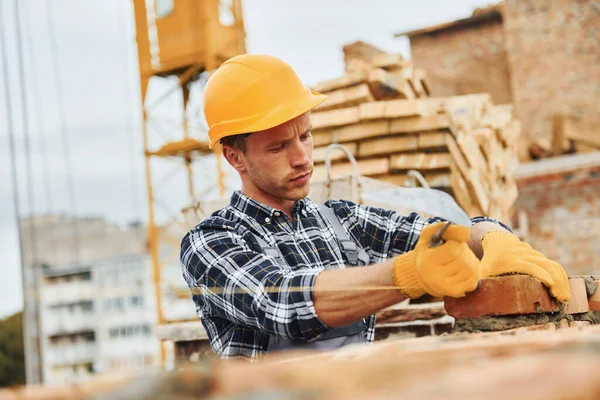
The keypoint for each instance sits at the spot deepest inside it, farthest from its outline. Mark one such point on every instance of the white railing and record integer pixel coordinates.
(64, 323)
(68, 293)
(77, 353)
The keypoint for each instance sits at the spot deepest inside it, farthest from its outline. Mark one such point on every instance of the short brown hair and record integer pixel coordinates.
(236, 141)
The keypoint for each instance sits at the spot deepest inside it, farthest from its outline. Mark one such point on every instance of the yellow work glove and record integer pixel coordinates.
(505, 253)
(451, 269)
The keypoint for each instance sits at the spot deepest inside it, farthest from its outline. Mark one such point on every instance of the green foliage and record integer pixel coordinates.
(12, 354)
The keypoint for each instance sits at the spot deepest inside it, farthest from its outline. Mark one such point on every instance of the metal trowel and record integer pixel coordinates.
(431, 201)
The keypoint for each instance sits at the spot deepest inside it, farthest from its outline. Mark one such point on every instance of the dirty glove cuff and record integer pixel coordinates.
(405, 276)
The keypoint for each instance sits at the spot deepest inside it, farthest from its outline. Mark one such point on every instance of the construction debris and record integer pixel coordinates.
(380, 110)
(570, 134)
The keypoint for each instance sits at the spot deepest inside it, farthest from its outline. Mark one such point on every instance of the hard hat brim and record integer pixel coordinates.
(277, 116)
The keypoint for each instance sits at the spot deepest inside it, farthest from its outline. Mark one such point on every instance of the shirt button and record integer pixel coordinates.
(277, 213)
(267, 220)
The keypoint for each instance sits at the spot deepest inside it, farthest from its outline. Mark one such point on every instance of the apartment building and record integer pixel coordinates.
(89, 299)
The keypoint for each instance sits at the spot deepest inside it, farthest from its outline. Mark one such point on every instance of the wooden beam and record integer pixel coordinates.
(336, 154)
(343, 134)
(460, 190)
(346, 97)
(559, 136)
(347, 80)
(389, 85)
(390, 61)
(373, 166)
(471, 150)
(419, 161)
(391, 109)
(420, 124)
(342, 116)
(434, 140)
(475, 185)
(387, 145)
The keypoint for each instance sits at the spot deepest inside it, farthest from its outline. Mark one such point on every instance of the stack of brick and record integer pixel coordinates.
(380, 110)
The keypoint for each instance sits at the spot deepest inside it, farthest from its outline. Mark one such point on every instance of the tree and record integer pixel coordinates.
(12, 355)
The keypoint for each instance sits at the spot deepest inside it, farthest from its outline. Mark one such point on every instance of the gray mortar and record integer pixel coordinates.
(590, 286)
(505, 322)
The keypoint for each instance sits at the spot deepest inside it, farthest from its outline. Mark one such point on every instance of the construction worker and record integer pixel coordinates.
(274, 270)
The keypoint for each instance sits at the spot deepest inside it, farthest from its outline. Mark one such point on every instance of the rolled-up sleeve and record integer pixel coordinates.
(231, 281)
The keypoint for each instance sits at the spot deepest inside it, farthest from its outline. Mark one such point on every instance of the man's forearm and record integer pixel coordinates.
(342, 297)
(478, 231)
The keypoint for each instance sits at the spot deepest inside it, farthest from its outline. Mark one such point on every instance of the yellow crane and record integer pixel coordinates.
(182, 39)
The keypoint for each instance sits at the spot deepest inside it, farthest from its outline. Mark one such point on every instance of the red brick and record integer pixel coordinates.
(506, 295)
(579, 299)
(594, 300)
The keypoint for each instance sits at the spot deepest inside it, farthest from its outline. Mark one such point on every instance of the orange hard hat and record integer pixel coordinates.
(250, 93)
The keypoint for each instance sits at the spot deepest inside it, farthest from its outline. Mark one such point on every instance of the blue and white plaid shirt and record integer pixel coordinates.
(243, 296)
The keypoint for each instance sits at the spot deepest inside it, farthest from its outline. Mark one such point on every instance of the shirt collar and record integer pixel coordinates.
(261, 211)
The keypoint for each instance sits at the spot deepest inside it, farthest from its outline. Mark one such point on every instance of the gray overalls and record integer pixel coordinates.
(335, 337)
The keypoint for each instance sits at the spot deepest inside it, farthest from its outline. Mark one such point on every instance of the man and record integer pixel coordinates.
(268, 272)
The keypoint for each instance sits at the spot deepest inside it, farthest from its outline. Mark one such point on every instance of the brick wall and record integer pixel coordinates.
(543, 56)
(563, 210)
(553, 49)
(465, 60)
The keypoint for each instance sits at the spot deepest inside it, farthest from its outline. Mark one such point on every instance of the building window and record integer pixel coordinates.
(87, 306)
(164, 8)
(137, 301)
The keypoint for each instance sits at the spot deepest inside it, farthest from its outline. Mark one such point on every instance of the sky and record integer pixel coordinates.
(83, 104)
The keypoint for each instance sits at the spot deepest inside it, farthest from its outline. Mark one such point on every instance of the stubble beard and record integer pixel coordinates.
(279, 187)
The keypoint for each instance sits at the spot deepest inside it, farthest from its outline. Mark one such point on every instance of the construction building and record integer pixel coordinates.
(541, 56)
(520, 77)
(90, 299)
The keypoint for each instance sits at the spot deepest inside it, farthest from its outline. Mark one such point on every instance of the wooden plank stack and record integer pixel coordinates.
(380, 110)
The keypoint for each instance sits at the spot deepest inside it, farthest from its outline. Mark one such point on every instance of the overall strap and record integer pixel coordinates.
(349, 247)
(266, 248)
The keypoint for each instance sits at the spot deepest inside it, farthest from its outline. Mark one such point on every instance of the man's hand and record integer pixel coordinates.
(505, 253)
(451, 269)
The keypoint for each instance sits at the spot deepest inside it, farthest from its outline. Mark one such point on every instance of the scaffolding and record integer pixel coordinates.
(180, 41)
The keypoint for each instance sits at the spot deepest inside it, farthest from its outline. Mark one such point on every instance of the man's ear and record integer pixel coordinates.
(235, 158)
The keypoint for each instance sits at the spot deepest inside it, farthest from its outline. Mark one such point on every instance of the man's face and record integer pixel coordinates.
(279, 160)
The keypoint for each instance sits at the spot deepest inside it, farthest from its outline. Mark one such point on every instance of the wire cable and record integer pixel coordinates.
(124, 55)
(63, 128)
(37, 107)
(29, 179)
(16, 201)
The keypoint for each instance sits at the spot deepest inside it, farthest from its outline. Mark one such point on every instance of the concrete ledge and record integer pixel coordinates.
(182, 331)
